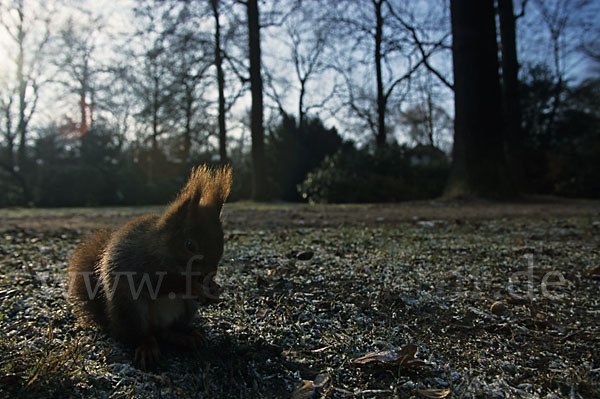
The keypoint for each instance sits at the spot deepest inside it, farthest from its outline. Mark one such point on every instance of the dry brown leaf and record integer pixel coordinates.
(434, 393)
(595, 271)
(304, 391)
(532, 250)
(309, 388)
(524, 250)
(404, 356)
(306, 255)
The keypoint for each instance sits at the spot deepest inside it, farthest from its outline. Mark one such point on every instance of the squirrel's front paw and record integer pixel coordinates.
(147, 354)
(207, 291)
(191, 340)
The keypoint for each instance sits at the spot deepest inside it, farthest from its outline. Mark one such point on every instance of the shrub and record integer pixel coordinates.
(388, 175)
(293, 150)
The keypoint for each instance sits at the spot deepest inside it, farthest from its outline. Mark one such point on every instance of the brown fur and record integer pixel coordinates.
(156, 248)
(89, 252)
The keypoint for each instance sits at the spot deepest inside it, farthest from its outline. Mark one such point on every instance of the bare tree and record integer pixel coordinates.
(391, 50)
(306, 66)
(74, 59)
(22, 91)
(427, 122)
(300, 76)
(154, 88)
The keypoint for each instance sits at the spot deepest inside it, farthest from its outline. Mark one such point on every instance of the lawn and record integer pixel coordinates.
(499, 299)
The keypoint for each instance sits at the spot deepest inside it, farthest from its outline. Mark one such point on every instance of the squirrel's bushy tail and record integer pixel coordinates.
(83, 285)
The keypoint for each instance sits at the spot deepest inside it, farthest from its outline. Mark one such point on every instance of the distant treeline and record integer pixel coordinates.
(95, 170)
(309, 162)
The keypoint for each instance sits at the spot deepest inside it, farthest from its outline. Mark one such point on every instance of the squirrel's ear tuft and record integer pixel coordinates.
(205, 187)
(217, 185)
(195, 186)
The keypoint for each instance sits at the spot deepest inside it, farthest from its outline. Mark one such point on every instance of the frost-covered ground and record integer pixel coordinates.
(310, 288)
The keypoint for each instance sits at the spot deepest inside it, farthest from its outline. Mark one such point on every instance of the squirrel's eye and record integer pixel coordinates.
(191, 245)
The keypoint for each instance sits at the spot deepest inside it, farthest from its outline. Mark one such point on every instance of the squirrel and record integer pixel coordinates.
(144, 281)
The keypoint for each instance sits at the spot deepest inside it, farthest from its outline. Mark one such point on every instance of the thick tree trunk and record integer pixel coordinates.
(381, 100)
(259, 186)
(510, 94)
(478, 164)
(220, 83)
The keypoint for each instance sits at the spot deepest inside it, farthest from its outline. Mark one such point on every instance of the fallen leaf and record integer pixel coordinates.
(304, 391)
(308, 389)
(524, 250)
(321, 381)
(532, 250)
(595, 271)
(306, 255)
(404, 356)
(434, 393)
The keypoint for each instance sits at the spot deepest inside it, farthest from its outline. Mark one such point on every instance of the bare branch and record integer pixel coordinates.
(231, 61)
(272, 93)
(421, 46)
(363, 114)
(523, 6)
